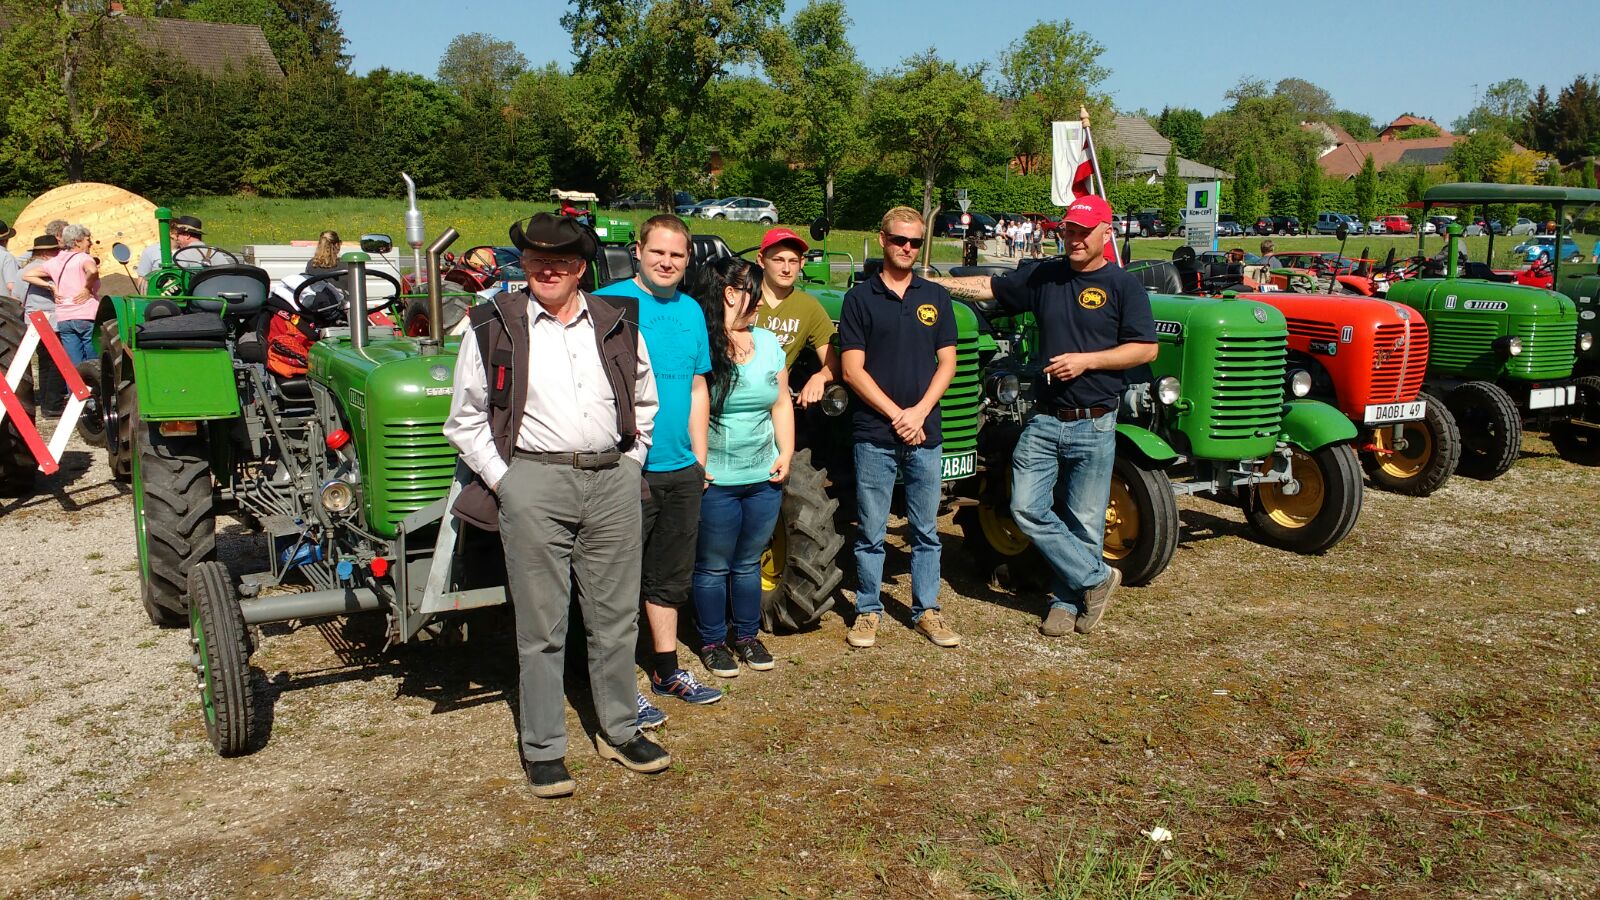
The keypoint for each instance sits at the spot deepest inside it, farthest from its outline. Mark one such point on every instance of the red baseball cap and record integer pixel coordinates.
(782, 236)
(1088, 211)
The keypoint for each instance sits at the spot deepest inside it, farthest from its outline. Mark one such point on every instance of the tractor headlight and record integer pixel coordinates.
(1585, 341)
(1299, 382)
(835, 400)
(338, 496)
(1004, 388)
(1510, 345)
(1168, 390)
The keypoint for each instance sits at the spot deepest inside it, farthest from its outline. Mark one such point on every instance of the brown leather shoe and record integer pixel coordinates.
(864, 633)
(1095, 601)
(932, 627)
(1058, 622)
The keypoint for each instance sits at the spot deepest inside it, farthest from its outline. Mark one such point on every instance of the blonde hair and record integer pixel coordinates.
(903, 214)
(327, 255)
(670, 223)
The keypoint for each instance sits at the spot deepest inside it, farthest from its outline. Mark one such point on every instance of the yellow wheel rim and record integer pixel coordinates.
(1299, 509)
(1122, 521)
(775, 559)
(1407, 463)
(1001, 531)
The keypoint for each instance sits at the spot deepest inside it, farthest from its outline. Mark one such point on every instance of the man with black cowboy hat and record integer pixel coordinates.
(553, 411)
(185, 232)
(52, 392)
(10, 276)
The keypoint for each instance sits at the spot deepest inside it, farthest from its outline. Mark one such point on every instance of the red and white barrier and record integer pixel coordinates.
(48, 455)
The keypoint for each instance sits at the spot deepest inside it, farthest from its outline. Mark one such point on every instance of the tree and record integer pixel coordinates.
(1174, 192)
(1310, 185)
(827, 85)
(1419, 130)
(655, 64)
(1416, 181)
(479, 67)
(1501, 108)
(1358, 125)
(1185, 128)
(930, 114)
(1474, 158)
(1057, 65)
(1366, 191)
(1246, 191)
(1310, 101)
(1577, 120)
(76, 84)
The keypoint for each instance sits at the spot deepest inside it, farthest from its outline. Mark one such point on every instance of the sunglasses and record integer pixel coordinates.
(554, 264)
(900, 240)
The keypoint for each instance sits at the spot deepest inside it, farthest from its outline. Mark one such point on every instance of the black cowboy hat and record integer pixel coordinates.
(550, 233)
(188, 225)
(45, 242)
(6, 231)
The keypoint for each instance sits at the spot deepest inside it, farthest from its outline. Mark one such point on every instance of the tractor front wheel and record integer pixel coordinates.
(17, 465)
(220, 645)
(1578, 438)
(1323, 507)
(1141, 522)
(174, 519)
(1432, 448)
(1491, 429)
(800, 567)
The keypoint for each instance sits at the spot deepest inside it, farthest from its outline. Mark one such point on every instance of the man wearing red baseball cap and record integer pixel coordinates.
(1094, 322)
(796, 317)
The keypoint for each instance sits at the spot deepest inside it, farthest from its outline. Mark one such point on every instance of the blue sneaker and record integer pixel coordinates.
(649, 716)
(683, 686)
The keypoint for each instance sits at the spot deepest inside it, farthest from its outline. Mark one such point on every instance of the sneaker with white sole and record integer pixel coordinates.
(686, 688)
(650, 715)
(931, 625)
(1095, 601)
(864, 633)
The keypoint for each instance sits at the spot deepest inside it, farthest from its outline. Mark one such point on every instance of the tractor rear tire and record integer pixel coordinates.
(175, 519)
(1491, 429)
(416, 314)
(1576, 443)
(92, 420)
(220, 643)
(17, 465)
(1324, 510)
(1141, 522)
(1433, 450)
(800, 569)
(118, 398)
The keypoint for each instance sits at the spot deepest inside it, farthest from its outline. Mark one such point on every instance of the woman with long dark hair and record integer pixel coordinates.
(749, 445)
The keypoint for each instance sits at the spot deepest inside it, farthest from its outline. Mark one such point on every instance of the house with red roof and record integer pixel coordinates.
(1342, 157)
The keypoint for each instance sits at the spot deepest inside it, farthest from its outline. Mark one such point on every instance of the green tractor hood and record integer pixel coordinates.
(1471, 320)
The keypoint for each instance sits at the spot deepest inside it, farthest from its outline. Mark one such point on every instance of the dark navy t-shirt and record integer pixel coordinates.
(901, 338)
(1080, 312)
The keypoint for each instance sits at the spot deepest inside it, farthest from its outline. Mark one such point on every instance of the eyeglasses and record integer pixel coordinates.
(900, 240)
(557, 264)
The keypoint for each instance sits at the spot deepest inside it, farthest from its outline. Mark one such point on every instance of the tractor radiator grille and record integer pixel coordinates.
(958, 409)
(1247, 387)
(1464, 345)
(1313, 330)
(1398, 372)
(1548, 349)
(416, 465)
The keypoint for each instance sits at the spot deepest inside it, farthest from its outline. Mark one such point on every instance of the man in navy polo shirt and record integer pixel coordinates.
(1094, 322)
(897, 332)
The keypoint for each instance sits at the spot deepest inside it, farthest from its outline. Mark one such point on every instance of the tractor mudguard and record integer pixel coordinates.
(1312, 425)
(185, 384)
(1149, 448)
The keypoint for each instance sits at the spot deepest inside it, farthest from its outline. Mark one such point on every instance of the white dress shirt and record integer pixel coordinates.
(570, 408)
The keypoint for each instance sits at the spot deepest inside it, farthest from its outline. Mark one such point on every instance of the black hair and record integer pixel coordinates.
(708, 282)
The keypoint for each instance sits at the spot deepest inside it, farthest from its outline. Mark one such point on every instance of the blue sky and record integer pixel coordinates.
(1379, 58)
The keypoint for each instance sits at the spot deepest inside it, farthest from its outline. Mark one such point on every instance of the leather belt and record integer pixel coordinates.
(1073, 414)
(599, 459)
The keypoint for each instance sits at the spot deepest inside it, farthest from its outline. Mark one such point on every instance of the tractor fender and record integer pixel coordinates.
(118, 310)
(1148, 448)
(1312, 425)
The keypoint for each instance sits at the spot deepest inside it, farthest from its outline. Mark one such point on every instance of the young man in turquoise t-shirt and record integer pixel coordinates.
(674, 331)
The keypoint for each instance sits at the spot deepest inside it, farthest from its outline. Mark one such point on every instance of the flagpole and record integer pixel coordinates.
(1094, 166)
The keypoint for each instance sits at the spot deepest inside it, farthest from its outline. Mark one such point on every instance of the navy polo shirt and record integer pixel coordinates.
(1080, 312)
(901, 337)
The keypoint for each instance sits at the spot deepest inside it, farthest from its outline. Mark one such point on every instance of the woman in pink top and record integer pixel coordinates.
(74, 275)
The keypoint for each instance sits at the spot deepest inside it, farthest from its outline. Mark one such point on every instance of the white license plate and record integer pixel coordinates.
(1396, 412)
(960, 466)
(1545, 398)
(513, 285)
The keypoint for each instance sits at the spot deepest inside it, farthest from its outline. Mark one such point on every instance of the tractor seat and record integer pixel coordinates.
(1158, 275)
(295, 387)
(250, 348)
(1483, 272)
(242, 288)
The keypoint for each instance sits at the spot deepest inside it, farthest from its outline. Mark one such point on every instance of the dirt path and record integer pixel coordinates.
(1413, 714)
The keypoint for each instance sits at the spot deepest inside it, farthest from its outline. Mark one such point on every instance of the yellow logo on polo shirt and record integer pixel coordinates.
(1092, 298)
(928, 314)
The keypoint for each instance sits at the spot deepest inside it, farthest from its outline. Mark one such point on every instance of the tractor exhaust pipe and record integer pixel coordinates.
(436, 291)
(356, 292)
(416, 236)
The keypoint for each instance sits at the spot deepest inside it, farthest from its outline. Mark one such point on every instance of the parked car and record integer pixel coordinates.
(1261, 225)
(1531, 249)
(1523, 227)
(1395, 224)
(1228, 226)
(987, 223)
(1429, 227)
(1123, 227)
(647, 200)
(1047, 223)
(948, 224)
(1329, 222)
(1440, 223)
(693, 209)
(1150, 223)
(1284, 225)
(1376, 227)
(741, 209)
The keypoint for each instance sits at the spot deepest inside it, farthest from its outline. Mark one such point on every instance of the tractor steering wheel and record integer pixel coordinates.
(390, 301)
(199, 256)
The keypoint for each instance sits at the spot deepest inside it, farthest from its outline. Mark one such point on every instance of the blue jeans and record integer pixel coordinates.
(77, 338)
(1080, 453)
(735, 525)
(918, 468)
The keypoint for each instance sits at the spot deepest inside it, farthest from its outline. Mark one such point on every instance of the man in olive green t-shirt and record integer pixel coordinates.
(796, 317)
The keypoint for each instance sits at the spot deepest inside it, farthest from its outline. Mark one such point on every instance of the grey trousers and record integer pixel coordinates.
(559, 524)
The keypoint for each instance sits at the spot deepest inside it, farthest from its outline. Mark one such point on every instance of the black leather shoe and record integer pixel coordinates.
(549, 777)
(640, 754)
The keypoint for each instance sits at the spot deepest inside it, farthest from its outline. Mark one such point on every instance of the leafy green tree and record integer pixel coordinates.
(655, 63)
(1416, 182)
(301, 32)
(1185, 128)
(1358, 125)
(1059, 66)
(1502, 105)
(930, 115)
(1366, 191)
(1475, 158)
(826, 85)
(1310, 185)
(479, 67)
(1246, 191)
(1174, 192)
(1419, 130)
(76, 85)
(1265, 126)
(1308, 100)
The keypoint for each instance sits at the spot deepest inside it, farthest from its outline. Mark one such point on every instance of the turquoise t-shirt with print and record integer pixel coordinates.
(675, 337)
(742, 446)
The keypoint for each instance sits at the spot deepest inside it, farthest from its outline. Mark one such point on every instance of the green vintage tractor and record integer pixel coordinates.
(1502, 354)
(1218, 415)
